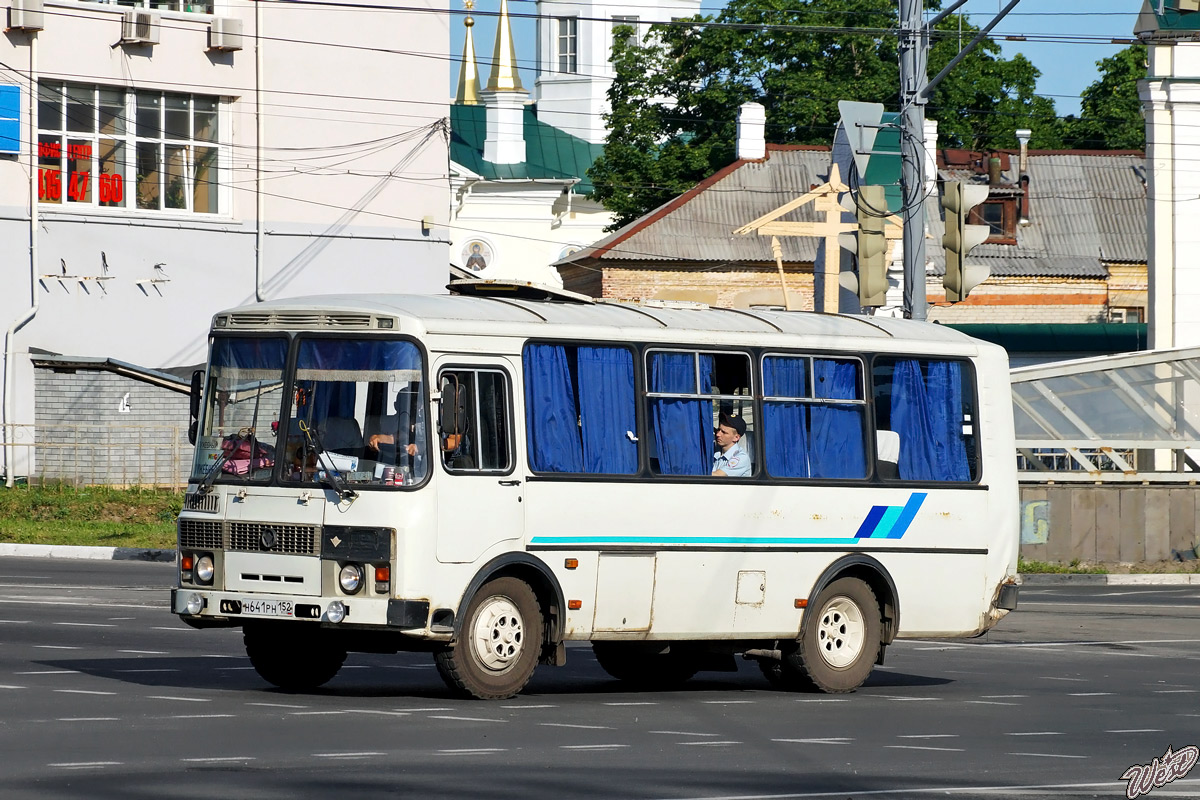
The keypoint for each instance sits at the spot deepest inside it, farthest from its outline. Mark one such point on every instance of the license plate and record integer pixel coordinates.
(268, 608)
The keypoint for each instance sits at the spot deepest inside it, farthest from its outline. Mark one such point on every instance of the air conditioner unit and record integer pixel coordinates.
(26, 15)
(225, 33)
(139, 27)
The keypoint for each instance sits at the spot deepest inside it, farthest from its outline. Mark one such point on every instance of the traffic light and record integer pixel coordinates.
(870, 245)
(957, 201)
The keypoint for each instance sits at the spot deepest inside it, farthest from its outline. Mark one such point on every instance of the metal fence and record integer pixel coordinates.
(114, 455)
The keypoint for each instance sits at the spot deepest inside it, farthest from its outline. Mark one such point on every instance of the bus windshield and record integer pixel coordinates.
(357, 413)
(242, 398)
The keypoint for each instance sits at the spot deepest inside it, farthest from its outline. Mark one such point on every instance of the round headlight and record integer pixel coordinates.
(194, 605)
(336, 612)
(351, 578)
(204, 569)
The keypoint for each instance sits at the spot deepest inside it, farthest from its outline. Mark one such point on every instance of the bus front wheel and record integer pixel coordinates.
(498, 648)
(840, 641)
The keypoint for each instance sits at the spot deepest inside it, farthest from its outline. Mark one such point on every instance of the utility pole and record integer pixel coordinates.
(914, 49)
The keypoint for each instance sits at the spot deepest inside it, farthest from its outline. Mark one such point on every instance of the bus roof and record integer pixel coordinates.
(455, 314)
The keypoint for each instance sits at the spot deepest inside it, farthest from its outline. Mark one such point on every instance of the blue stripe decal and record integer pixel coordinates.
(882, 522)
(906, 515)
(884, 529)
(868, 526)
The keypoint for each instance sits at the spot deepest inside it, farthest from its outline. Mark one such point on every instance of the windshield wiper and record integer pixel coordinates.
(330, 475)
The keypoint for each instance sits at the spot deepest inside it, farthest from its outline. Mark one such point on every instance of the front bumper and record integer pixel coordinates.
(220, 608)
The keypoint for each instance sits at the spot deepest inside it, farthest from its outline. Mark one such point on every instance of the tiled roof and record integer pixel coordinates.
(549, 152)
(698, 225)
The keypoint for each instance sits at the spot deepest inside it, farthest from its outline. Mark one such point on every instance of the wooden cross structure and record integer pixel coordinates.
(827, 226)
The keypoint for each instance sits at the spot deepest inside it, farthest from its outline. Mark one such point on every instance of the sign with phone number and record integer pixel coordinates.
(50, 187)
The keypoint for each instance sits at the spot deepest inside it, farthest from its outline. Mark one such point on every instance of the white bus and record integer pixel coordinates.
(487, 478)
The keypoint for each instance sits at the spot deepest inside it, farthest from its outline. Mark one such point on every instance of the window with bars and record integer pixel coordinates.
(567, 47)
(112, 148)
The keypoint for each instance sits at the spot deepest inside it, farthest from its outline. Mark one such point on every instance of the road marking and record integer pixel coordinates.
(684, 733)
(55, 647)
(8, 686)
(831, 740)
(1005, 792)
(592, 746)
(49, 672)
(927, 736)
(991, 703)
(202, 716)
(1174, 691)
(923, 747)
(82, 691)
(728, 702)
(145, 652)
(84, 764)
(1036, 733)
(87, 719)
(131, 671)
(316, 713)
(519, 706)
(216, 759)
(14, 621)
(631, 704)
(705, 744)
(1046, 755)
(1001, 696)
(179, 699)
(347, 755)
(820, 699)
(472, 751)
(86, 624)
(1089, 694)
(568, 725)
(377, 711)
(466, 719)
(900, 697)
(275, 705)
(421, 710)
(1138, 730)
(1054, 678)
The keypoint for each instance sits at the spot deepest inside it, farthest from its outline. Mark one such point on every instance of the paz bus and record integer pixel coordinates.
(491, 474)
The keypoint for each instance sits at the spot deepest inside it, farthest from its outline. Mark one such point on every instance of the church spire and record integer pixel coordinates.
(504, 76)
(468, 76)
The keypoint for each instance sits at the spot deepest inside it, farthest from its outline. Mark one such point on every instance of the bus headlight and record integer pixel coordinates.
(336, 612)
(204, 569)
(351, 578)
(194, 605)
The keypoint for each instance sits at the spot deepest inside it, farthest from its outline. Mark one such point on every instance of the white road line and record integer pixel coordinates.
(49, 672)
(820, 699)
(82, 691)
(1056, 678)
(1046, 755)
(201, 716)
(831, 740)
(275, 705)
(592, 746)
(377, 711)
(568, 725)
(1089, 694)
(1036, 733)
(1004, 792)
(1001, 696)
(684, 733)
(172, 630)
(923, 747)
(9, 686)
(631, 704)
(216, 759)
(728, 702)
(14, 621)
(466, 719)
(55, 647)
(472, 751)
(316, 713)
(81, 764)
(421, 710)
(900, 697)
(347, 755)
(145, 652)
(1138, 730)
(1082, 644)
(991, 703)
(1174, 691)
(87, 719)
(518, 706)
(705, 744)
(927, 736)
(85, 624)
(179, 699)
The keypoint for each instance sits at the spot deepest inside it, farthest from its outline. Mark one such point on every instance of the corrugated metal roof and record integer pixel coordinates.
(698, 225)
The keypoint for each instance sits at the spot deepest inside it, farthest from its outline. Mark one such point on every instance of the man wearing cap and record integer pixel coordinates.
(730, 460)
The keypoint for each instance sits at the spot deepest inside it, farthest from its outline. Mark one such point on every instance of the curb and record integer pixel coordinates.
(93, 553)
(1139, 579)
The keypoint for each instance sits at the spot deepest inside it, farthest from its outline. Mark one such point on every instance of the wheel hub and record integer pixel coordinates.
(840, 632)
(498, 635)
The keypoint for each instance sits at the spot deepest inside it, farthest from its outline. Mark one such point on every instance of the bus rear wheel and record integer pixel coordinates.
(293, 656)
(498, 648)
(631, 663)
(840, 639)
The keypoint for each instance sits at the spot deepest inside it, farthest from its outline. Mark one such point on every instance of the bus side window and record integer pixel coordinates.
(928, 405)
(474, 421)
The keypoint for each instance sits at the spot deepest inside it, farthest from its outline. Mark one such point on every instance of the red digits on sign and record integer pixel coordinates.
(112, 189)
(49, 184)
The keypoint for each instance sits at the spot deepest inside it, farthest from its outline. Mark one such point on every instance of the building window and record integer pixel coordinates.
(567, 49)
(621, 19)
(111, 148)
(202, 7)
(1125, 314)
(1000, 215)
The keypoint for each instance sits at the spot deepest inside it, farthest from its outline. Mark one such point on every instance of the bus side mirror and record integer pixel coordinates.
(451, 415)
(197, 389)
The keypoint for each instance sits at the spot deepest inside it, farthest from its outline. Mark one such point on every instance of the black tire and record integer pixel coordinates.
(839, 642)
(783, 675)
(293, 656)
(498, 648)
(632, 663)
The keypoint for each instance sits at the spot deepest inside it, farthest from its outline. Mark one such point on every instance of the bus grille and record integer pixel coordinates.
(258, 537)
(200, 534)
(202, 502)
(249, 537)
(299, 319)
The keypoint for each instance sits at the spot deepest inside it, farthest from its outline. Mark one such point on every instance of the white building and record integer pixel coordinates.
(158, 165)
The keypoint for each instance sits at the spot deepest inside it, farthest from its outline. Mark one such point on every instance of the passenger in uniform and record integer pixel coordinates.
(730, 460)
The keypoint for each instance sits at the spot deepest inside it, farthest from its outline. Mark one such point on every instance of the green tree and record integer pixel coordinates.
(673, 105)
(1110, 112)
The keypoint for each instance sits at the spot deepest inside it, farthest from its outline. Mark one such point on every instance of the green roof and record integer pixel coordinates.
(549, 152)
(1060, 337)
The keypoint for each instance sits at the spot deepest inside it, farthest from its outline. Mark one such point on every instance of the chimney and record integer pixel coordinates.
(751, 131)
(1023, 136)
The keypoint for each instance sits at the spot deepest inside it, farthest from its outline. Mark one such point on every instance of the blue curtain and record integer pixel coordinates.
(944, 388)
(837, 444)
(607, 410)
(911, 419)
(785, 424)
(683, 438)
(358, 354)
(553, 424)
(250, 353)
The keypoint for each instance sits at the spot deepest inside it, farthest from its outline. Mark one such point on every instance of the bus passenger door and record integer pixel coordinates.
(479, 492)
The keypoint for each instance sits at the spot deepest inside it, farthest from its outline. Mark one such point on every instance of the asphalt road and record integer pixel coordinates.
(105, 694)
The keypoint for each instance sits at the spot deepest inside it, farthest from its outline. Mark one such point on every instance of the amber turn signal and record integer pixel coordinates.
(574, 605)
(571, 563)
(801, 602)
